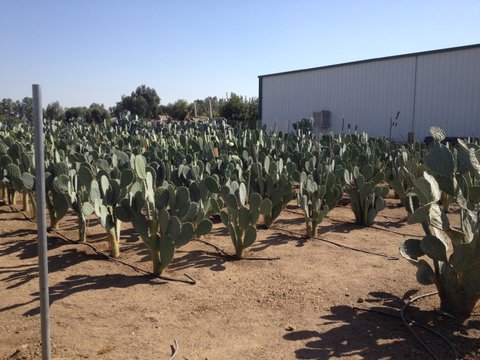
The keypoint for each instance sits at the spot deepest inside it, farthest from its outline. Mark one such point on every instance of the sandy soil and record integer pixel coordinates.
(298, 307)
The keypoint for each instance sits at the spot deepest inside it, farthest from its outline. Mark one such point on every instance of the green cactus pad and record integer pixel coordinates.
(440, 160)
(13, 172)
(161, 198)
(95, 193)
(87, 209)
(367, 171)
(203, 227)
(174, 228)
(186, 235)
(5, 160)
(140, 167)
(127, 178)
(167, 251)
(224, 217)
(192, 212)
(163, 220)
(231, 201)
(434, 248)
(60, 168)
(250, 236)
(266, 207)
(425, 274)
(60, 184)
(243, 218)
(28, 181)
(255, 200)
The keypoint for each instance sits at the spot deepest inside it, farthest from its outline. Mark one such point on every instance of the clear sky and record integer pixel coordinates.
(84, 51)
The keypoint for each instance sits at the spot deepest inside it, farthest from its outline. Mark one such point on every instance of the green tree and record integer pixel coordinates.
(177, 110)
(74, 113)
(144, 102)
(203, 106)
(25, 108)
(233, 108)
(8, 107)
(97, 113)
(240, 109)
(54, 111)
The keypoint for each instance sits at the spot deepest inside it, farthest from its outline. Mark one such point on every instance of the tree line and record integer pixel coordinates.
(145, 103)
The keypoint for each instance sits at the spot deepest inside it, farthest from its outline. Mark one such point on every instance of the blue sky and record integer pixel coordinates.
(84, 51)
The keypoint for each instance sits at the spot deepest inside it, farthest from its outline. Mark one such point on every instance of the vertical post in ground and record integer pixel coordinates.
(41, 221)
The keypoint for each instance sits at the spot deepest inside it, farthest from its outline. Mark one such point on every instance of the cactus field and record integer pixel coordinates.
(231, 243)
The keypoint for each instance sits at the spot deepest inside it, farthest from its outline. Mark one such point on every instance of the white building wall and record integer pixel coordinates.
(368, 94)
(448, 93)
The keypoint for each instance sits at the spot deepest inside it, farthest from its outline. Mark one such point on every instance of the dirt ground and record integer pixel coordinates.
(301, 306)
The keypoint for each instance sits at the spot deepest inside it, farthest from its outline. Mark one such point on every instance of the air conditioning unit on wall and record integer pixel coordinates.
(321, 121)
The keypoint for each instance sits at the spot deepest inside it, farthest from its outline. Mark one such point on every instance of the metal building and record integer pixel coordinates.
(440, 87)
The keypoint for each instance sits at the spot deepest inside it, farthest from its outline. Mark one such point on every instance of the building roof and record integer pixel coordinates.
(375, 59)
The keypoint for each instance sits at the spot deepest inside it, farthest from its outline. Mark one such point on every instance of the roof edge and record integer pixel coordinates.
(457, 48)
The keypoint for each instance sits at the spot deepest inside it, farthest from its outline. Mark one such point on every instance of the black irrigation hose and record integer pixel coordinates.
(408, 325)
(377, 228)
(224, 254)
(425, 327)
(191, 281)
(175, 349)
(393, 218)
(15, 210)
(389, 257)
(393, 232)
(371, 226)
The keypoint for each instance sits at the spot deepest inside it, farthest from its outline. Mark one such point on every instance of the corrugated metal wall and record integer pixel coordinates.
(440, 89)
(448, 93)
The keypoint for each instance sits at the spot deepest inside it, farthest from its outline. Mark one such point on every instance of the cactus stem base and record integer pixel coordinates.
(238, 252)
(155, 261)
(82, 231)
(113, 243)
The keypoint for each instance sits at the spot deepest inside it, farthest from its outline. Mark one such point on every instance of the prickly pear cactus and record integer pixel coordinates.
(274, 184)
(316, 199)
(57, 182)
(239, 218)
(367, 196)
(163, 217)
(456, 271)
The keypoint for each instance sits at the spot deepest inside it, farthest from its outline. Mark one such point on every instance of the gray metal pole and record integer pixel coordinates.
(41, 221)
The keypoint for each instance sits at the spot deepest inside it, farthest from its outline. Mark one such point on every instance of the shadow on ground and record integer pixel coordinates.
(26, 249)
(198, 259)
(276, 239)
(80, 283)
(367, 335)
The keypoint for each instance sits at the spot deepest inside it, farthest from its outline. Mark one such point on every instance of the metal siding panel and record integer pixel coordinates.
(365, 94)
(369, 94)
(448, 93)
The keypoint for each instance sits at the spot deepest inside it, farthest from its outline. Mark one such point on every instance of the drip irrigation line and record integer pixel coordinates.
(175, 349)
(393, 218)
(191, 281)
(393, 231)
(412, 322)
(371, 226)
(15, 210)
(97, 251)
(224, 254)
(293, 212)
(376, 227)
(389, 257)
(408, 325)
